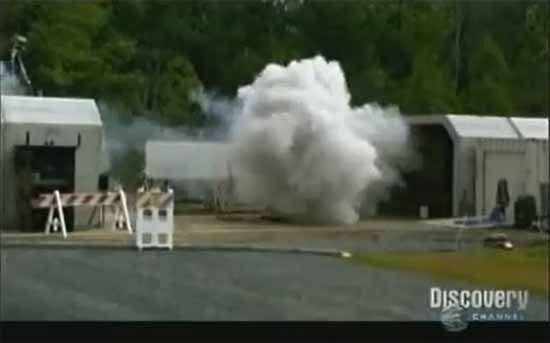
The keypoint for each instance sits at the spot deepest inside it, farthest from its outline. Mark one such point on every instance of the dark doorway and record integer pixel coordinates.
(429, 185)
(42, 169)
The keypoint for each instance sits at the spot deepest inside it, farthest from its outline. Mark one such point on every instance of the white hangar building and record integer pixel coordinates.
(464, 156)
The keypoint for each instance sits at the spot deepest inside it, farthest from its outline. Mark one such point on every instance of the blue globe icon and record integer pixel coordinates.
(454, 318)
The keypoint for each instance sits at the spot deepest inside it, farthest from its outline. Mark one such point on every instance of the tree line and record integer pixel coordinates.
(144, 57)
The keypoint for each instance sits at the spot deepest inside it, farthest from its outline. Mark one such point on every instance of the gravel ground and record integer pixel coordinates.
(369, 235)
(341, 240)
(88, 284)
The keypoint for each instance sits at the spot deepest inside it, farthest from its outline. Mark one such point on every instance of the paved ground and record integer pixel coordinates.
(72, 284)
(117, 284)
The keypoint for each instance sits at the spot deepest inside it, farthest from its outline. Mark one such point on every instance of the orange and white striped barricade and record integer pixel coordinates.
(155, 219)
(56, 201)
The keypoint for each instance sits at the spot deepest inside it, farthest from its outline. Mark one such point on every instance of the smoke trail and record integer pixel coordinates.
(124, 147)
(224, 110)
(124, 133)
(123, 151)
(300, 148)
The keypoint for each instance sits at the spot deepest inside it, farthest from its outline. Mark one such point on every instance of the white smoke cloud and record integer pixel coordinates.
(124, 143)
(300, 148)
(123, 134)
(217, 106)
(297, 146)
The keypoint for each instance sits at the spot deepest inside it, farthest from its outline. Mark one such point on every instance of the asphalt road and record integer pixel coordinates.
(88, 284)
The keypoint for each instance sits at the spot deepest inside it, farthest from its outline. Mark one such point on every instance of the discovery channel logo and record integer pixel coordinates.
(459, 307)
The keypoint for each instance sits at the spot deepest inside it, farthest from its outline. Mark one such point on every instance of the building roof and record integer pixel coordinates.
(57, 111)
(482, 126)
(186, 160)
(532, 128)
(492, 127)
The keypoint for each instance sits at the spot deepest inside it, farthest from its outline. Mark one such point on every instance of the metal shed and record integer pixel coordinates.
(475, 152)
(47, 143)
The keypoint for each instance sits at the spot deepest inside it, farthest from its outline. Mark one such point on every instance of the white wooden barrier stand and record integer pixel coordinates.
(55, 222)
(56, 202)
(122, 217)
(155, 219)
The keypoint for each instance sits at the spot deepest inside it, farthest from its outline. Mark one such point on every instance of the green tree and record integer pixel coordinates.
(429, 89)
(176, 82)
(530, 77)
(128, 169)
(425, 30)
(63, 59)
(489, 77)
(143, 57)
